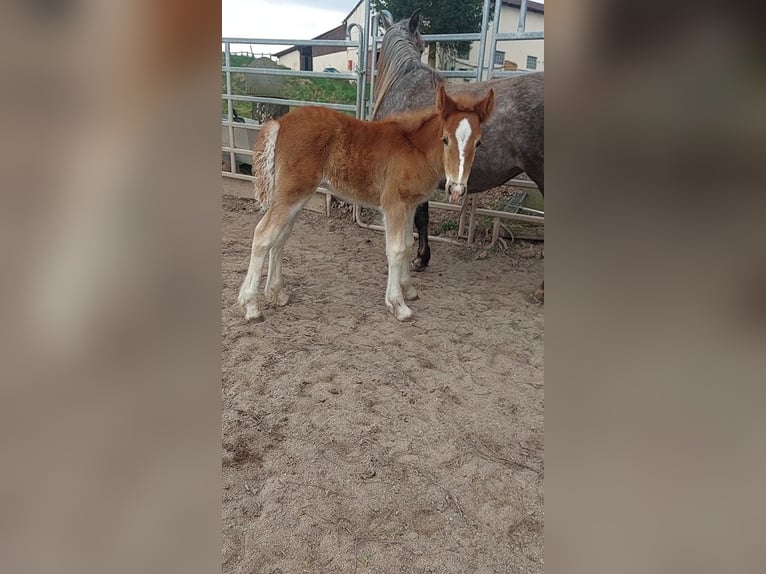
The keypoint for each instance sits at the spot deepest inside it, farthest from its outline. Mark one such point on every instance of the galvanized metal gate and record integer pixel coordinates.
(364, 38)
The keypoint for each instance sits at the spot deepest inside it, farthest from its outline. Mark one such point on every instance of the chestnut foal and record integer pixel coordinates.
(393, 164)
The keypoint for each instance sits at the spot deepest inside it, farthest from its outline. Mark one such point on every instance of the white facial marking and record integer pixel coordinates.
(462, 135)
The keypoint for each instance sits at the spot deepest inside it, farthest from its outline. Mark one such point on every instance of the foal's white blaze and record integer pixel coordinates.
(462, 135)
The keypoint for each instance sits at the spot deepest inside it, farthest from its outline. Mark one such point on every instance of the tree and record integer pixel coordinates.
(440, 17)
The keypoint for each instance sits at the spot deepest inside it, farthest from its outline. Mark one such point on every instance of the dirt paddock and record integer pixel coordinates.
(355, 443)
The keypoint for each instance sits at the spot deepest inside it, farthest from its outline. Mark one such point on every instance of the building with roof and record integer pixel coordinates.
(510, 55)
(318, 57)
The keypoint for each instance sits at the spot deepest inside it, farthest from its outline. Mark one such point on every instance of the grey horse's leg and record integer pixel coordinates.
(424, 251)
(537, 174)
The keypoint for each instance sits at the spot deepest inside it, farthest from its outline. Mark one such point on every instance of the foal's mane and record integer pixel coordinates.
(410, 122)
(399, 57)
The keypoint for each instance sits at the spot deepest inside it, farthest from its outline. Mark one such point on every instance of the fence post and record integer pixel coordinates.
(364, 46)
(495, 31)
(230, 108)
(483, 40)
(373, 59)
(359, 76)
(523, 16)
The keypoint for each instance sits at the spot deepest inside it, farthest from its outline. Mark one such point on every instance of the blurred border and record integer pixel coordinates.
(109, 245)
(655, 280)
(110, 253)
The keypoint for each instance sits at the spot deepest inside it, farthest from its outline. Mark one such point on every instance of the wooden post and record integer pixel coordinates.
(471, 218)
(495, 232)
(461, 221)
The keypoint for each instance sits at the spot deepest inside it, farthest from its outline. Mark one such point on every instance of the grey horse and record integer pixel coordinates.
(512, 140)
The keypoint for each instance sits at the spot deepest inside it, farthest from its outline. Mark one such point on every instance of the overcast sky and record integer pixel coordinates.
(293, 19)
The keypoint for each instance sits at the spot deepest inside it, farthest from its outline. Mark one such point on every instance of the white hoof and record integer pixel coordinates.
(279, 298)
(400, 311)
(403, 313)
(252, 313)
(244, 298)
(410, 293)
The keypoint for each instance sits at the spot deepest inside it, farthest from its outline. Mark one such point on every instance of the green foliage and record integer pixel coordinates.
(440, 17)
(321, 90)
(237, 84)
(484, 222)
(448, 225)
(238, 60)
(437, 16)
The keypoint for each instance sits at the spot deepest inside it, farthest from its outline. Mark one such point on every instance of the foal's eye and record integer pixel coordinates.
(445, 139)
(478, 143)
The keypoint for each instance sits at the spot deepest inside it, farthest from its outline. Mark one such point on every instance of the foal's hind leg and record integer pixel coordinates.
(268, 231)
(275, 292)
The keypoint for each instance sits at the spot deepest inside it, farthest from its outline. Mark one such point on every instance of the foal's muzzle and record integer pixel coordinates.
(455, 190)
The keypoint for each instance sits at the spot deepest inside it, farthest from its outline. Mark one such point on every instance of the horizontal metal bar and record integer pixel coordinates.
(237, 150)
(465, 37)
(489, 212)
(280, 102)
(237, 176)
(472, 37)
(241, 125)
(497, 71)
(242, 176)
(521, 183)
(507, 36)
(458, 73)
(376, 227)
(500, 73)
(448, 206)
(290, 42)
(278, 72)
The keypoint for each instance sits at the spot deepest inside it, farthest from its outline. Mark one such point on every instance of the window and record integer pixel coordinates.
(531, 62)
(499, 58)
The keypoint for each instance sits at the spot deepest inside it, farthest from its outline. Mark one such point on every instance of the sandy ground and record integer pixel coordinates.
(355, 443)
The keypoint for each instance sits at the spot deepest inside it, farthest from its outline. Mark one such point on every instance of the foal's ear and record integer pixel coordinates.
(414, 21)
(444, 103)
(485, 106)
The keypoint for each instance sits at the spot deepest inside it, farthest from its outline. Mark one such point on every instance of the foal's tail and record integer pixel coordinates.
(264, 163)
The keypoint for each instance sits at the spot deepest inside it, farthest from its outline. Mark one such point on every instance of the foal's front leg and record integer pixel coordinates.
(397, 253)
(274, 291)
(408, 289)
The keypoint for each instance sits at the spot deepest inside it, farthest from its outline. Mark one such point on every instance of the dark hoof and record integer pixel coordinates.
(418, 265)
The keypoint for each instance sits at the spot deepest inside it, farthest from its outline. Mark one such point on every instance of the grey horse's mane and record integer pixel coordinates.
(398, 57)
